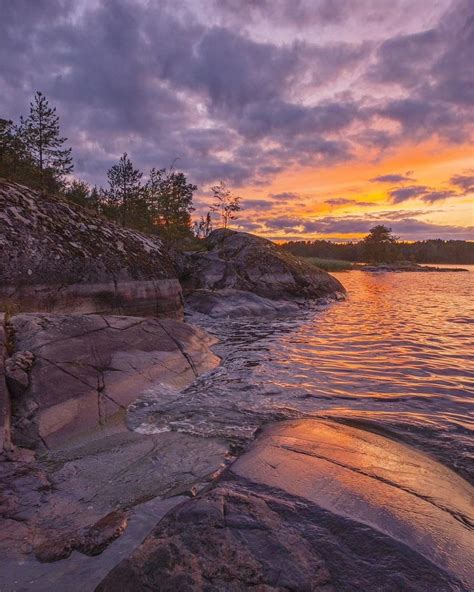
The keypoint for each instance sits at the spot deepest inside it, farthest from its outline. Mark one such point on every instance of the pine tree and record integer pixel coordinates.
(41, 137)
(125, 187)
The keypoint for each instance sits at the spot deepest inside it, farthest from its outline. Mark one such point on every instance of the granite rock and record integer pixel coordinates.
(58, 257)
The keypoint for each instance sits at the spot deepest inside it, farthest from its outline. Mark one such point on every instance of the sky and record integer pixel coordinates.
(326, 116)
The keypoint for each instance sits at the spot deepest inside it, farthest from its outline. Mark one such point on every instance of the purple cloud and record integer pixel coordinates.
(344, 201)
(404, 225)
(391, 179)
(401, 194)
(426, 194)
(230, 89)
(464, 181)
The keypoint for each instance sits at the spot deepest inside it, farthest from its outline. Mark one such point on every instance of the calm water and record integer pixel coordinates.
(396, 357)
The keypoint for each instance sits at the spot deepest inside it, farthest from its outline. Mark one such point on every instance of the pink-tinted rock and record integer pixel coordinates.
(72, 374)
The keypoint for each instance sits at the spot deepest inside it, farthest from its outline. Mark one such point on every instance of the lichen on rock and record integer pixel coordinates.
(242, 261)
(58, 257)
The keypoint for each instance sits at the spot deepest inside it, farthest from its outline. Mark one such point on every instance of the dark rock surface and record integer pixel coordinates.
(71, 375)
(79, 572)
(91, 540)
(58, 257)
(313, 506)
(372, 480)
(242, 261)
(5, 411)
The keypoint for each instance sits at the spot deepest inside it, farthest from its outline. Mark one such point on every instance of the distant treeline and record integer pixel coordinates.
(427, 251)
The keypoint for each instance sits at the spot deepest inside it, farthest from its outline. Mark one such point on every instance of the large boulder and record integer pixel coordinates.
(58, 257)
(242, 261)
(71, 375)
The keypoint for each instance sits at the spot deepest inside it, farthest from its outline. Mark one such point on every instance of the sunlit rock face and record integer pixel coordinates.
(242, 261)
(314, 505)
(58, 257)
(70, 376)
(374, 481)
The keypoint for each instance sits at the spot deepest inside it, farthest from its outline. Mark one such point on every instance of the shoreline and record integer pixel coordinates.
(229, 484)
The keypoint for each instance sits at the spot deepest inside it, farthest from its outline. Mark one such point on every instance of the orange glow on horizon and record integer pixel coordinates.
(429, 164)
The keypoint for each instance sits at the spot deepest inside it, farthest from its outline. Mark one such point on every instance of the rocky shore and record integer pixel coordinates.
(119, 456)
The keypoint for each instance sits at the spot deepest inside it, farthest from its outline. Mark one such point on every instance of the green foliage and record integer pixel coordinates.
(330, 264)
(33, 154)
(16, 164)
(426, 251)
(226, 205)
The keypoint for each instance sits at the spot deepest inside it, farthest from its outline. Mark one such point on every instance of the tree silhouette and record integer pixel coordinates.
(124, 186)
(41, 137)
(380, 245)
(170, 197)
(226, 204)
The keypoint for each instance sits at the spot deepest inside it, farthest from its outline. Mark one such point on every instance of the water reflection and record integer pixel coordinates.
(397, 354)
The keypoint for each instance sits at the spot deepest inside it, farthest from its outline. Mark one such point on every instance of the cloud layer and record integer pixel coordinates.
(245, 91)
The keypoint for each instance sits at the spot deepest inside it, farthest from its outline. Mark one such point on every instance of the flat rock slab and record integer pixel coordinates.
(375, 481)
(313, 506)
(70, 375)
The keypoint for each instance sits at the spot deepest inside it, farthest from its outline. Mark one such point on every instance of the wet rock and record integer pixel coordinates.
(79, 498)
(242, 261)
(58, 257)
(73, 374)
(224, 542)
(90, 541)
(56, 548)
(237, 303)
(313, 506)
(374, 481)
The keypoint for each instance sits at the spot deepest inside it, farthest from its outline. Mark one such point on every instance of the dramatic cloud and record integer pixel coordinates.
(406, 226)
(246, 91)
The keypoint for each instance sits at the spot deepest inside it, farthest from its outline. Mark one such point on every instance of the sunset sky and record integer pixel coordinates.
(326, 116)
